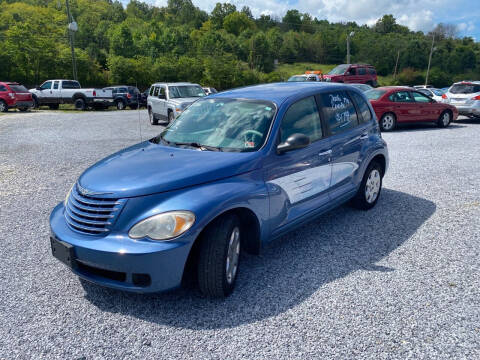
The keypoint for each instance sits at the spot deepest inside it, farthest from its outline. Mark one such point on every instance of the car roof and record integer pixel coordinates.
(279, 92)
(174, 83)
(395, 88)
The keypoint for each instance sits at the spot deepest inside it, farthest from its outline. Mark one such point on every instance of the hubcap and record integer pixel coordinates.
(150, 115)
(387, 122)
(446, 118)
(120, 105)
(2, 106)
(372, 187)
(233, 255)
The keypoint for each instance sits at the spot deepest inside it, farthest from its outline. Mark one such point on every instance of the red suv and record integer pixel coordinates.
(14, 95)
(352, 74)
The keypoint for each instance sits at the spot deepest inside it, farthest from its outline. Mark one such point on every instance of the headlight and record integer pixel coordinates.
(163, 226)
(68, 195)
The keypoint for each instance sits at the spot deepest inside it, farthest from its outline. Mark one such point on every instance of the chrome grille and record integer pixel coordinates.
(91, 214)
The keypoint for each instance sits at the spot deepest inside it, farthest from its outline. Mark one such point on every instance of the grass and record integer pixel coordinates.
(300, 68)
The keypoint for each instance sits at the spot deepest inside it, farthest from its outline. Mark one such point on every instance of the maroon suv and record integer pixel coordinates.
(14, 95)
(353, 73)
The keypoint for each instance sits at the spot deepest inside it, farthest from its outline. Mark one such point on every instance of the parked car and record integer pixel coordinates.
(167, 100)
(362, 87)
(144, 97)
(352, 73)
(395, 105)
(55, 92)
(465, 96)
(14, 95)
(210, 90)
(234, 171)
(123, 96)
(435, 94)
(308, 76)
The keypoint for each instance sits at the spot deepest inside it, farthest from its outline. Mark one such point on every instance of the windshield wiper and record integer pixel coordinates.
(197, 145)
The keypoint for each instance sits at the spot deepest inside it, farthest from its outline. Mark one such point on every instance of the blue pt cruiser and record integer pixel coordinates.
(232, 172)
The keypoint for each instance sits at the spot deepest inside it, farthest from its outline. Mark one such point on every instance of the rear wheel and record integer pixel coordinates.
(3, 106)
(219, 257)
(388, 122)
(120, 105)
(151, 117)
(370, 187)
(444, 119)
(80, 104)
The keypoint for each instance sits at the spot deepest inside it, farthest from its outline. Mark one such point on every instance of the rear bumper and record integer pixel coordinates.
(119, 262)
(469, 110)
(23, 104)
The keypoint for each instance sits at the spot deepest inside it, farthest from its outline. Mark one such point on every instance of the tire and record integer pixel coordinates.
(445, 119)
(23, 109)
(152, 118)
(134, 107)
(370, 187)
(170, 117)
(80, 104)
(388, 122)
(219, 257)
(53, 106)
(35, 102)
(120, 105)
(3, 106)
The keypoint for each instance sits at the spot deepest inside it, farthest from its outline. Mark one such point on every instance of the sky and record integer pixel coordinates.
(420, 15)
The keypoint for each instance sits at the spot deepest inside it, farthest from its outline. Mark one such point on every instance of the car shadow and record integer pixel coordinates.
(468, 121)
(288, 271)
(425, 127)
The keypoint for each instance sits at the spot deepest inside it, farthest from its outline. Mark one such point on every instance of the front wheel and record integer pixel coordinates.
(219, 257)
(370, 187)
(152, 118)
(388, 122)
(444, 119)
(170, 117)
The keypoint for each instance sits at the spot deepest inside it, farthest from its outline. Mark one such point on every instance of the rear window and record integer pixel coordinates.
(374, 94)
(362, 106)
(465, 88)
(361, 71)
(339, 112)
(372, 71)
(133, 91)
(70, 85)
(18, 88)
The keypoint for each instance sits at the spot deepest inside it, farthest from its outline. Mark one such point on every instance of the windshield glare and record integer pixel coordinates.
(339, 70)
(298, 78)
(185, 91)
(226, 124)
(374, 94)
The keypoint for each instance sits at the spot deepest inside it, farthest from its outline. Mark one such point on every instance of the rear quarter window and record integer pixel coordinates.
(339, 111)
(18, 88)
(3, 88)
(363, 108)
(361, 71)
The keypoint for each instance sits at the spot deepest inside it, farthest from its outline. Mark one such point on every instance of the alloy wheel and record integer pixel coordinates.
(372, 186)
(388, 122)
(233, 254)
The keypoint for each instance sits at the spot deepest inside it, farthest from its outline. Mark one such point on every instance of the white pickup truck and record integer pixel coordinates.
(56, 92)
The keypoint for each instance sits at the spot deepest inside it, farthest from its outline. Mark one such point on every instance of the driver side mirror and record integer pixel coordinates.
(293, 142)
(38, 88)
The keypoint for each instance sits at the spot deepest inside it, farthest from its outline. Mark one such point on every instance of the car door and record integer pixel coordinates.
(350, 76)
(298, 180)
(44, 96)
(55, 92)
(428, 109)
(348, 136)
(404, 106)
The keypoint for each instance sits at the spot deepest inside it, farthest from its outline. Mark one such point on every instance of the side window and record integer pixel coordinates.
(362, 106)
(352, 71)
(151, 90)
(155, 91)
(303, 118)
(339, 112)
(421, 98)
(371, 71)
(3, 88)
(401, 96)
(162, 91)
(55, 84)
(46, 85)
(362, 71)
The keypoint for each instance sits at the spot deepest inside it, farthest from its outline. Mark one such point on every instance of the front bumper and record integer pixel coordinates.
(119, 262)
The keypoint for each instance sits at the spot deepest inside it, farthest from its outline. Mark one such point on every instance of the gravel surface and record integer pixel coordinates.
(400, 281)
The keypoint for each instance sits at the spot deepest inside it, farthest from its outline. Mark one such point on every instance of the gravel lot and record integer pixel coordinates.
(400, 281)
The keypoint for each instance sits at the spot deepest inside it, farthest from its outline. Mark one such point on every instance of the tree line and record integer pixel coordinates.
(141, 44)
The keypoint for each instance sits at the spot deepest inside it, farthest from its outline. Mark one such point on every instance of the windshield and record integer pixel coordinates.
(437, 92)
(465, 88)
(185, 91)
(298, 78)
(374, 94)
(339, 70)
(18, 88)
(222, 124)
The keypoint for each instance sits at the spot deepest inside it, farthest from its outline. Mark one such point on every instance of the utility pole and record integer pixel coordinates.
(429, 60)
(348, 45)
(72, 27)
(396, 65)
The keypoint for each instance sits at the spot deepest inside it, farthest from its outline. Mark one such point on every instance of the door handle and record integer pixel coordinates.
(328, 152)
(364, 136)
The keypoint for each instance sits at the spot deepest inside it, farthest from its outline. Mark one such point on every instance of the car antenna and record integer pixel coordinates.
(138, 112)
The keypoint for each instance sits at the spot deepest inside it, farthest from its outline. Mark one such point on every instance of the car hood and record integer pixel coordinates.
(179, 101)
(149, 168)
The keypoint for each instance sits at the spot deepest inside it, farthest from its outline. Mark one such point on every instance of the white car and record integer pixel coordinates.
(435, 94)
(167, 100)
(465, 96)
(210, 90)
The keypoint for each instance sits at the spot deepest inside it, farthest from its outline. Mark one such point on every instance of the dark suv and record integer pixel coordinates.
(14, 95)
(352, 73)
(124, 96)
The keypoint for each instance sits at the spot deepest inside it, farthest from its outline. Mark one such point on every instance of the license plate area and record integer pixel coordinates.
(63, 252)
